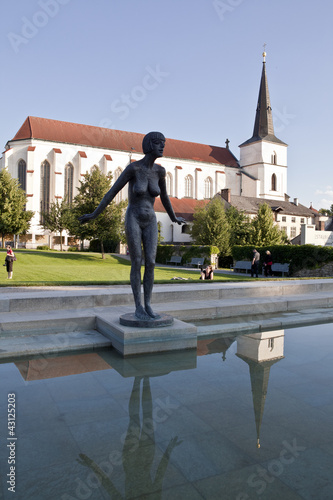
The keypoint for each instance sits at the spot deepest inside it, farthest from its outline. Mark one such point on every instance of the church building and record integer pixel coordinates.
(50, 157)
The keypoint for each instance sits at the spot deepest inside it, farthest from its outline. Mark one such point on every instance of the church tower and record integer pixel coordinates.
(263, 157)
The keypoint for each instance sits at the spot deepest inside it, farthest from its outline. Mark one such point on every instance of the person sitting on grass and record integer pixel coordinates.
(207, 273)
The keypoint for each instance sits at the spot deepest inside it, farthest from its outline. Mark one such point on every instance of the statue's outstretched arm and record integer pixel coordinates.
(102, 476)
(166, 200)
(122, 180)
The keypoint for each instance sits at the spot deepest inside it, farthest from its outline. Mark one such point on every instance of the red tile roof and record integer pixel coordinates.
(183, 207)
(87, 135)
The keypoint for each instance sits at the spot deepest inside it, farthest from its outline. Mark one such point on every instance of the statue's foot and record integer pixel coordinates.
(140, 313)
(151, 312)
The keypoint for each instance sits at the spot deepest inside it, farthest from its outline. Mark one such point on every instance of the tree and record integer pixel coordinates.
(264, 231)
(14, 218)
(57, 218)
(240, 229)
(109, 224)
(211, 227)
(327, 211)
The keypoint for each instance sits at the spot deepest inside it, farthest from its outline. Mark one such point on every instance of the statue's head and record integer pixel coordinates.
(147, 145)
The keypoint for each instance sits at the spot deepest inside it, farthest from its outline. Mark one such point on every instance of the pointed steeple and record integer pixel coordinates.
(263, 125)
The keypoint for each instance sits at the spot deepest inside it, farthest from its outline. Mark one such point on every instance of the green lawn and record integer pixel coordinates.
(35, 267)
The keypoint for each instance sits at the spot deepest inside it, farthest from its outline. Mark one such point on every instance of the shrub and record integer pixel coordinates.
(110, 246)
(43, 247)
(187, 252)
(298, 256)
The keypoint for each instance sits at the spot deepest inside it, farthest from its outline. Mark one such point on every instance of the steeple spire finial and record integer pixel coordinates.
(264, 53)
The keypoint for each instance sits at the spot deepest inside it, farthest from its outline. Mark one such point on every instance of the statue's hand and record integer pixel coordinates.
(180, 220)
(86, 218)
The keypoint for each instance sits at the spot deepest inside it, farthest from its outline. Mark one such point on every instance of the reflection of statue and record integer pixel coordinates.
(138, 451)
(146, 181)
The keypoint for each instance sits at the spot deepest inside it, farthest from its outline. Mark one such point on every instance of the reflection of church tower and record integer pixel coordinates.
(263, 157)
(260, 351)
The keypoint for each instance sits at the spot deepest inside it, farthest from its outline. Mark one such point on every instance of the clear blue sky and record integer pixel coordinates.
(189, 68)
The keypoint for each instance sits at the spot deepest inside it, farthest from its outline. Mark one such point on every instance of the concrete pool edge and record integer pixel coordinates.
(43, 327)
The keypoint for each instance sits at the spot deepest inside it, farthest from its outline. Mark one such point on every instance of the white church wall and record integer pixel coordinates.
(250, 154)
(170, 231)
(271, 148)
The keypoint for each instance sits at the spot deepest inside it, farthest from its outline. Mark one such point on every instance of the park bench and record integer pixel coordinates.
(197, 261)
(242, 265)
(175, 259)
(280, 268)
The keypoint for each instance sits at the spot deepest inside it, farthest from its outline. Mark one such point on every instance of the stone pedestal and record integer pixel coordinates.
(130, 340)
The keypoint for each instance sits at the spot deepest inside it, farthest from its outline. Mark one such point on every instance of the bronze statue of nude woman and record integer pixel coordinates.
(146, 181)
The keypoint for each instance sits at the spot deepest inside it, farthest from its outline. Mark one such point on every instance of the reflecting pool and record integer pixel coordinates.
(243, 417)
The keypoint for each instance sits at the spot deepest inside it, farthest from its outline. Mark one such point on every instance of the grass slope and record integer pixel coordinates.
(35, 267)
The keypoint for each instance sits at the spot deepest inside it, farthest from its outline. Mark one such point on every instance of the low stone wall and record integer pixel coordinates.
(325, 271)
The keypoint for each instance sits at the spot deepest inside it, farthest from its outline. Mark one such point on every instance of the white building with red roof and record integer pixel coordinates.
(49, 157)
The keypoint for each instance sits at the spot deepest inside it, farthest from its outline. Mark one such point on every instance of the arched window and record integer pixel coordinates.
(68, 189)
(274, 158)
(22, 174)
(44, 188)
(208, 188)
(116, 175)
(189, 186)
(274, 182)
(168, 181)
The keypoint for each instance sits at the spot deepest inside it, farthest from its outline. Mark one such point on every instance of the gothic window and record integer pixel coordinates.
(168, 181)
(44, 188)
(189, 186)
(208, 188)
(22, 174)
(274, 183)
(274, 158)
(68, 189)
(116, 175)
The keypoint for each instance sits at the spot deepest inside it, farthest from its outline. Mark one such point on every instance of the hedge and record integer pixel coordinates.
(165, 252)
(298, 256)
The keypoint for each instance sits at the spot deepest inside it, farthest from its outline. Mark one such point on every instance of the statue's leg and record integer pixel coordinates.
(133, 235)
(149, 238)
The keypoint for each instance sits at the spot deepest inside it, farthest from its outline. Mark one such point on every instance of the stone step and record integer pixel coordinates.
(16, 324)
(91, 297)
(46, 322)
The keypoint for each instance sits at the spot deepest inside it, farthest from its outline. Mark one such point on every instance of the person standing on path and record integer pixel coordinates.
(255, 263)
(10, 257)
(268, 263)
